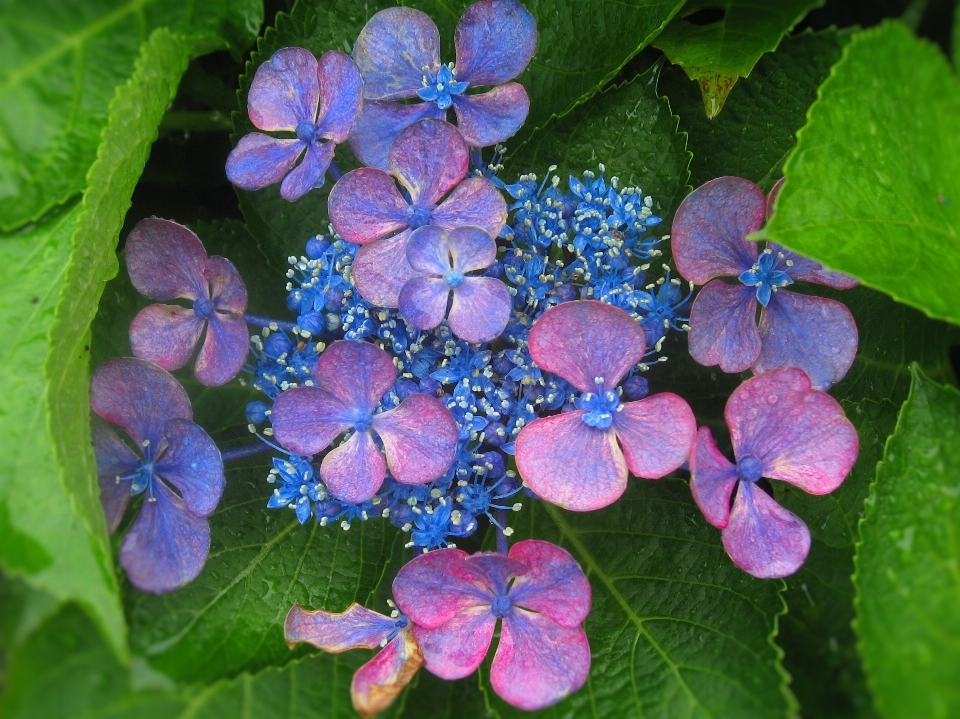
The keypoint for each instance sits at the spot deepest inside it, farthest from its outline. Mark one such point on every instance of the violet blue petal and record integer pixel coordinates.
(227, 290)
(340, 95)
(307, 419)
(656, 434)
(586, 339)
(377, 683)
(365, 205)
(380, 270)
(476, 202)
(428, 251)
(379, 124)
(456, 649)
(166, 260)
(310, 173)
(762, 538)
(712, 479)
(138, 397)
(358, 373)
(391, 51)
(471, 248)
(167, 545)
(723, 326)
(192, 464)
(285, 91)
(433, 588)
(419, 438)
(495, 41)
(355, 628)
(429, 158)
(816, 334)
(805, 270)
(494, 571)
(354, 471)
(423, 302)
(710, 227)
(114, 459)
(554, 584)
(259, 160)
(568, 463)
(481, 309)
(799, 434)
(492, 116)
(167, 335)
(224, 349)
(538, 662)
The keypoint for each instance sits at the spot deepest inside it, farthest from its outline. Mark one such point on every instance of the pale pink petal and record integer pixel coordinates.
(379, 124)
(310, 173)
(429, 158)
(423, 302)
(365, 205)
(492, 116)
(380, 270)
(481, 309)
(723, 326)
(167, 335)
(285, 90)
(471, 248)
(165, 260)
(456, 649)
(392, 50)
(358, 373)
(226, 286)
(419, 438)
(475, 201)
(428, 251)
(554, 584)
(340, 95)
(114, 460)
(495, 40)
(307, 419)
(656, 434)
(224, 349)
(377, 683)
(433, 588)
(355, 470)
(712, 479)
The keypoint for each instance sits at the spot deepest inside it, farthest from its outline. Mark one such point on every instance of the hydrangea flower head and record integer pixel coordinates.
(178, 470)
(167, 261)
(580, 459)
(293, 92)
(419, 437)
(539, 591)
(815, 334)
(398, 52)
(782, 428)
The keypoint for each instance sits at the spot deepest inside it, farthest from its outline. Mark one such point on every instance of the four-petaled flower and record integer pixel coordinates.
(292, 92)
(398, 52)
(419, 437)
(537, 589)
(783, 429)
(429, 159)
(168, 543)
(816, 334)
(167, 261)
(480, 306)
(573, 459)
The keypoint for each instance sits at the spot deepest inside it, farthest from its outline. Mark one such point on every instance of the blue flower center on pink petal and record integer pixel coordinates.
(306, 131)
(442, 87)
(749, 469)
(599, 406)
(453, 279)
(203, 307)
(766, 276)
(501, 606)
(363, 421)
(418, 216)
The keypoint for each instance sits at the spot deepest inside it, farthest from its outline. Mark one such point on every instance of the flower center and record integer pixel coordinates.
(453, 279)
(441, 88)
(766, 277)
(600, 406)
(306, 131)
(203, 307)
(363, 422)
(501, 606)
(749, 469)
(418, 216)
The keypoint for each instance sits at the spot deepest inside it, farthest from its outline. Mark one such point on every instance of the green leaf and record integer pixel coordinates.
(873, 187)
(908, 560)
(716, 53)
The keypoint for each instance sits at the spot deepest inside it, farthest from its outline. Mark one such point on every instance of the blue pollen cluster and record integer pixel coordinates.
(767, 276)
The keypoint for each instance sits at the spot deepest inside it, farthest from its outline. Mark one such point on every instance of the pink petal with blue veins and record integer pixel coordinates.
(429, 158)
(192, 464)
(656, 434)
(114, 459)
(285, 91)
(166, 260)
(355, 470)
(391, 51)
(309, 174)
(712, 479)
(358, 373)
(379, 124)
(433, 588)
(481, 309)
(428, 251)
(167, 335)
(554, 584)
(224, 349)
(380, 270)
(423, 302)
(355, 628)
(226, 286)
(365, 205)
(476, 202)
(456, 649)
(307, 419)
(377, 683)
(492, 116)
(419, 438)
(260, 160)
(495, 41)
(340, 95)
(471, 248)
(723, 326)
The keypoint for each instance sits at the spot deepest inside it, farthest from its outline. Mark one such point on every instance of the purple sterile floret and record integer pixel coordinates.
(580, 459)
(177, 467)
(293, 92)
(398, 52)
(781, 428)
(709, 241)
(539, 591)
(429, 159)
(419, 437)
(167, 261)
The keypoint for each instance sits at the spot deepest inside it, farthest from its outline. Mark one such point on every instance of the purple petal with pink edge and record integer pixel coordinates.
(495, 570)
(764, 539)
(428, 251)
(355, 628)
(709, 228)
(167, 546)
(309, 174)
(476, 202)
(167, 335)
(568, 463)
(723, 326)
(285, 91)
(226, 286)
(772, 197)
(712, 479)
(340, 95)
(380, 270)
(358, 373)
(419, 437)
(224, 349)
(456, 649)
(481, 309)
(114, 459)
(260, 160)
(816, 334)
(492, 116)
(656, 434)
(166, 260)
(365, 205)
(429, 158)
(138, 397)
(379, 124)
(495, 41)
(423, 302)
(354, 471)
(538, 662)
(806, 270)
(307, 419)
(554, 584)
(586, 339)
(471, 248)
(192, 464)
(392, 50)
(799, 434)
(377, 683)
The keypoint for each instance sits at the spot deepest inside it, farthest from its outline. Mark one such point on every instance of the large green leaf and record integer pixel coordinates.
(908, 561)
(872, 188)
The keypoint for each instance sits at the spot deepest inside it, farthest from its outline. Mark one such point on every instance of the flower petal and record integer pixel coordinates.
(712, 479)
(423, 302)
(380, 270)
(656, 433)
(224, 349)
(379, 124)
(762, 538)
(456, 649)
(710, 227)
(429, 158)
(586, 339)
(165, 260)
(816, 334)
(392, 50)
(538, 662)
(723, 326)
(554, 584)
(495, 41)
(355, 470)
(358, 373)
(260, 160)
(805, 270)
(481, 309)
(570, 464)
(226, 286)
(377, 683)
(428, 251)
(476, 202)
(309, 174)
(355, 628)
(799, 434)
(193, 465)
(114, 459)
(307, 419)
(471, 248)
(285, 91)
(167, 335)
(419, 438)
(365, 205)
(492, 116)
(340, 95)
(167, 545)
